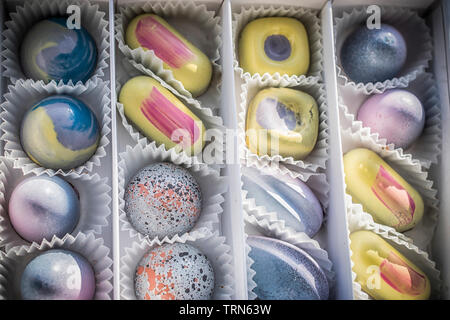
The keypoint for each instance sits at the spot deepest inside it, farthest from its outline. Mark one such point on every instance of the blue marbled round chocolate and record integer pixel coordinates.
(277, 47)
(58, 275)
(285, 272)
(41, 207)
(373, 55)
(60, 132)
(51, 51)
(292, 200)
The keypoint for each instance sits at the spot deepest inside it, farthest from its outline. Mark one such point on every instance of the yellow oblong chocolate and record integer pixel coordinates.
(282, 121)
(188, 64)
(383, 272)
(382, 192)
(274, 44)
(161, 116)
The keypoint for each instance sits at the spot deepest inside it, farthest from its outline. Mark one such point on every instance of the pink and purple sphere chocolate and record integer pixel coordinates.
(42, 207)
(58, 275)
(396, 115)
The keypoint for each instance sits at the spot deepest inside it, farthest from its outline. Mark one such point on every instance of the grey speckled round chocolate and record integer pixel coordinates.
(285, 272)
(373, 55)
(176, 271)
(162, 200)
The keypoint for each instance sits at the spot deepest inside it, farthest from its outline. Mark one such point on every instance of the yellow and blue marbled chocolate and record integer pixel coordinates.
(383, 272)
(161, 116)
(51, 51)
(274, 44)
(383, 193)
(60, 132)
(188, 64)
(282, 121)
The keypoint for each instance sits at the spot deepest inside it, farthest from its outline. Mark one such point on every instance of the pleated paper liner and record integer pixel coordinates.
(415, 32)
(309, 18)
(211, 184)
(25, 94)
(195, 22)
(319, 155)
(422, 234)
(213, 153)
(14, 262)
(33, 11)
(212, 245)
(359, 220)
(427, 148)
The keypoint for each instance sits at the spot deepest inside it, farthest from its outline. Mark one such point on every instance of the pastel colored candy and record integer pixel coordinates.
(188, 64)
(383, 272)
(51, 51)
(42, 207)
(292, 200)
(60, 132)
(160, 116)
(282, 121)
(58, 274)
(176, 271)
(285, 272)
(163, 200)
(383, 193)
(274, 45)
(397, 115)
(373, 55)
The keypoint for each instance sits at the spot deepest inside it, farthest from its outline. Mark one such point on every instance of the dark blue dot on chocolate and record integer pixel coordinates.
(277, 47)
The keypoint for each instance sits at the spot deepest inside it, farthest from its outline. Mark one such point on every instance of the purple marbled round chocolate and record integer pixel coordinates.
(285, 272)
(396, 115)
(58, 275)
(41, 207)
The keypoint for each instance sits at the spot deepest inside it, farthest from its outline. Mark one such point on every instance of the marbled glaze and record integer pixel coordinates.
(51, 51)
(162, 200)
(60, 132)
(176, 271)
(285, 272)
(58, 274)
(292, 200)
(41, 207)
(396, 115)
(373, 55)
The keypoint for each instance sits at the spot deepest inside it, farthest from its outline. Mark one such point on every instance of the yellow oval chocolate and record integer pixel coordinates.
(383, 272)
(188, 64)
(274, 44)
(282, 121)
(382, 192)
(160, 116)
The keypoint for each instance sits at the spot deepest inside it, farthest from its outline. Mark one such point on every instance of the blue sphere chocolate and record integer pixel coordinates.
(52, 51)
(292, 200)
(41, 207)
(58, 275)
(285, 272)
(60, 132)
(373, 55)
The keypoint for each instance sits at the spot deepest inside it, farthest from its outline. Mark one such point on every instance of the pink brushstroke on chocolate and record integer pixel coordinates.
(168, 47)
(394, 197)
(397, 274)
(168, 119)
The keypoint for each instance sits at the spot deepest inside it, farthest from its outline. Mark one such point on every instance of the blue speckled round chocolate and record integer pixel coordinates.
(277, 47)
(51, 51)
(373, 55)
(42, 207)
(176, 271)
(163, 200)
(58, 275)
(285, 272)
(292, 200)
(60, 132)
